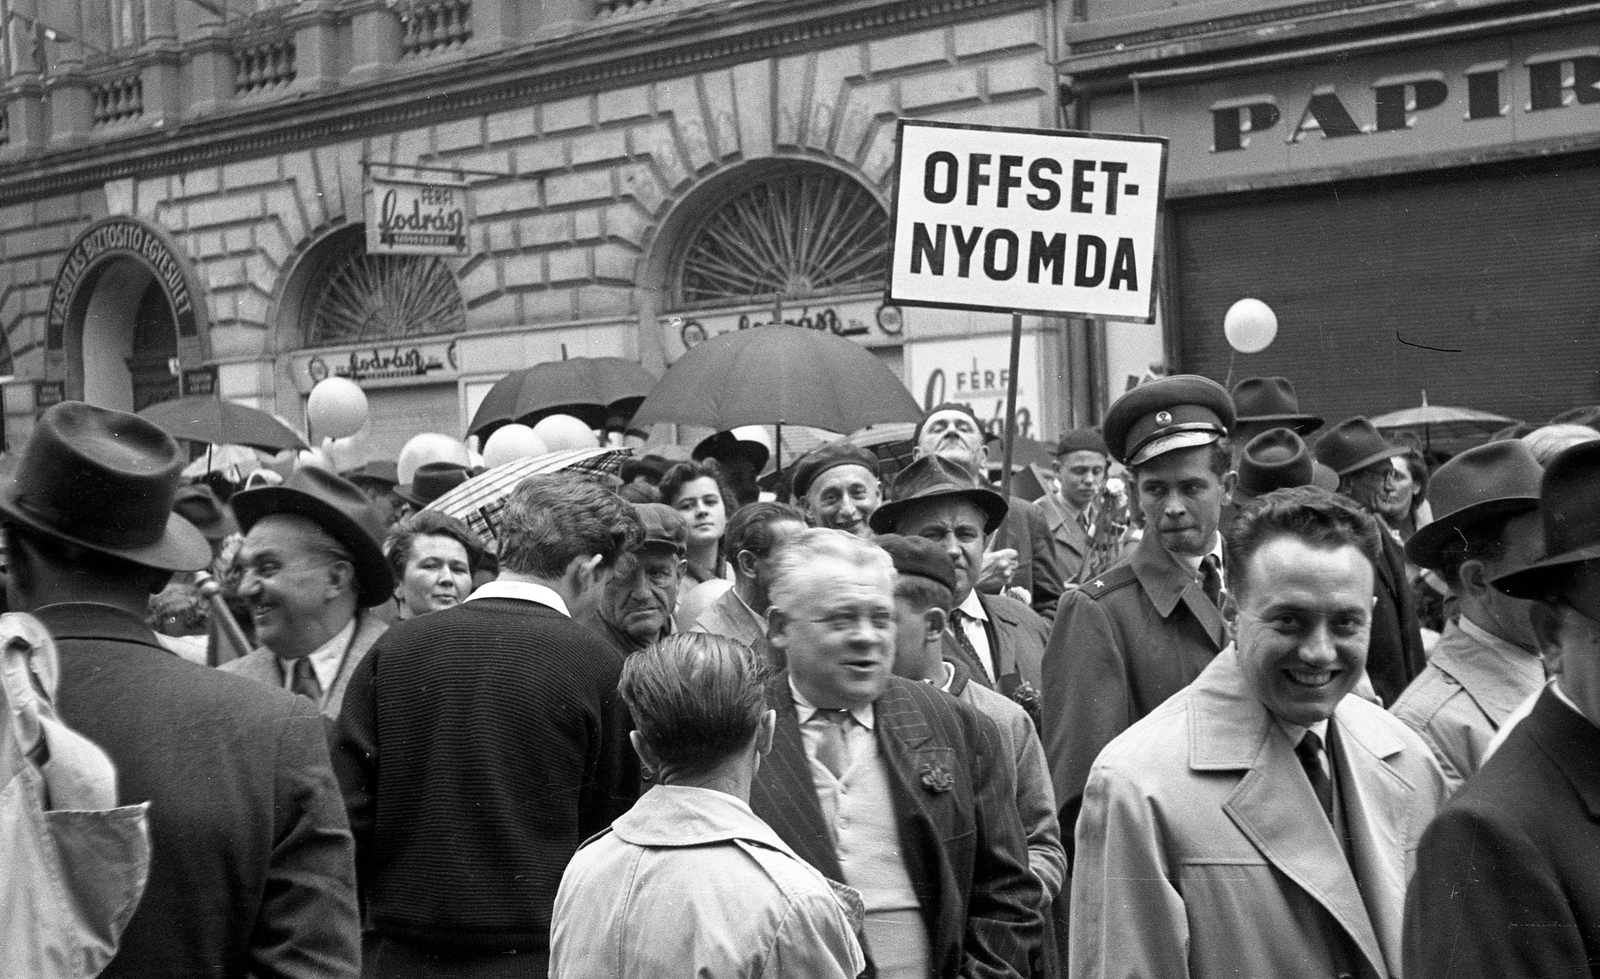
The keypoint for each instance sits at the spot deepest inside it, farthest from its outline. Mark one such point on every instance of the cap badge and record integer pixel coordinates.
(1163, 418)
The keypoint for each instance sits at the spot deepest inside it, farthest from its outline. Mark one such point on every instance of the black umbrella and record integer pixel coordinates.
(201, 418)
(593, 389)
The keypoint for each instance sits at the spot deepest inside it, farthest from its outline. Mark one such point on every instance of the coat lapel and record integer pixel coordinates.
(908, 748)
(1275, 807)
(368, 628)
(1168, 583)
(784, 793)
(1376, 800)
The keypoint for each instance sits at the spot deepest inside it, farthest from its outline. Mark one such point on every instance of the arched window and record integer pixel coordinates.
(361, 298)
(802, 231)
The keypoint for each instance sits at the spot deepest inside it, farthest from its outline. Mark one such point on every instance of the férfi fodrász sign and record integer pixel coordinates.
(1026, 220)
(416, 217)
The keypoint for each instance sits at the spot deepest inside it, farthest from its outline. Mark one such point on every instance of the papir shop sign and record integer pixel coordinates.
(1026, 220)
(416, 217)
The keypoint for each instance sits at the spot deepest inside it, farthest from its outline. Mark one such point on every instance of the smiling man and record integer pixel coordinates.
(886, 784)
(636, 609)
(1259, 822)
(837, 485)
(312, 568)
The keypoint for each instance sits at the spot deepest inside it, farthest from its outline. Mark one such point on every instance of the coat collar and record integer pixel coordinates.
(1572, 743)
(1167, 583)
(1276, 809)
(683, 815)
(1496, 674)
(90, 620)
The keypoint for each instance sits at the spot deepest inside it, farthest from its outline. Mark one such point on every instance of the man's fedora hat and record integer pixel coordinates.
(1271, 402)
(1569, 502)
(337, 506)
(381, 472)
(431, 481)
(1354, 444)
(1494, 479)
(830, 455)
(1178, 412)
(106, 481)
(727, 445)
(1279, 459)
(934, 477)
(199, 505)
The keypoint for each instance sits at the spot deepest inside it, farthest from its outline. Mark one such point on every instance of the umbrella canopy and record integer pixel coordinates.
(233, 461)
(1441, 423)
(779, 375)
(205, 419)
(589, 388)
(480, 501)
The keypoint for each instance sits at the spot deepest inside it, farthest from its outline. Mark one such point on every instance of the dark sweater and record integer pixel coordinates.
(478, 747)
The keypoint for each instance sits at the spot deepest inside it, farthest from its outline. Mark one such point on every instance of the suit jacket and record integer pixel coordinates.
(1203, 851)
(1464, 695)
(1122, 644)
(1506, 885)
(1395, 655)
(1072, 541)
(252, 870)
(1038, 567)
(963, 845)
(730, 616)
(263, 665)
(1017, 637)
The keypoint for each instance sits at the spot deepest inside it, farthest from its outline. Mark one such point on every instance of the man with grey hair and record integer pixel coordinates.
(690, 881)
(479, 745)
(886, 784)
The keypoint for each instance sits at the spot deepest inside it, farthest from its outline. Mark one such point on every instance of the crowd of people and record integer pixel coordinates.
(1238, 694)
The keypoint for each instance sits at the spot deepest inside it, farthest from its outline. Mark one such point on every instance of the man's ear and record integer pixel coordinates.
(1230, 479)
(582, 573)
(777, 627)
(765, 730)
(683, 567)
(1474, 576)
(746, 561)
(646, 757)
(934, 621)
(341, 576)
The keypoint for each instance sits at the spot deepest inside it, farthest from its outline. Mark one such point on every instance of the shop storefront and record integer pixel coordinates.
(1419, 210)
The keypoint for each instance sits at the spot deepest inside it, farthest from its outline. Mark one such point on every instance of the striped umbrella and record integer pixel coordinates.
(480, 502)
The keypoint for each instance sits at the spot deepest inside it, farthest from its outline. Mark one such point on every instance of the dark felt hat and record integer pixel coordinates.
(1569, 502)
(1178, 412)
(381, 472)
(663, 526)
(337, 506)
(935, 477)
(431, 481)
(106, 481)
(1354, 444)
(199, 505)
(1271, 402)
(830, 455)
(1279, 459)
(1494, 479)
(921, 558)
(726, 445)
(1081, 440)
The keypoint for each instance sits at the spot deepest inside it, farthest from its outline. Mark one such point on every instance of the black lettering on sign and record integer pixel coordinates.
(964, 249)
(1395, 103)
(976, 177)
(1082, 186)
(1051, 254)
(1326, 113)
(932, 188)
(1008, 179)
(1230, 123)
(994, 267)
(1124, 267)
(1048, 191)
(931, 248)
(111, 236)
(1091, 266)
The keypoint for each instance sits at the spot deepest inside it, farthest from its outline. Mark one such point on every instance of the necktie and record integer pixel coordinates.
(303, 680)
(1311, 759)
(1211, 579)
(1085, 522)
(958, 629)
(832, 750)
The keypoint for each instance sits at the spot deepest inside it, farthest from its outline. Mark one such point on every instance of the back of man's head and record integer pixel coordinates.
(1321, 520)
(696, 700)
(551, 519)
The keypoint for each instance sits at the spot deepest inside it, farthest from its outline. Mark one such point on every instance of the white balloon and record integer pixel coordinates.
(510, 442)
(430, 447)
(1250, 326)
(337, 407)
(562, 432)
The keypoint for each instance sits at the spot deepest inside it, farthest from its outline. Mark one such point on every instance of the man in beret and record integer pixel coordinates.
(1075, 512)
(1364, 462)
(636, 609)
(313, 568)
(252, 870)
(1486, 524)
(1022, 553)
(837, 485)
(1140, 632)
(1505, 881)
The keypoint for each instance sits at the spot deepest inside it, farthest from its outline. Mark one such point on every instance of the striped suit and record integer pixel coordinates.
(964, 845)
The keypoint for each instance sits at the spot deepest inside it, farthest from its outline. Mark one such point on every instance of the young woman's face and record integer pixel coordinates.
(700, 502)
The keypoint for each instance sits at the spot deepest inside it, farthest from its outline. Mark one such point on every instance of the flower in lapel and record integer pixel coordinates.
(937, 778)
(1026, 695)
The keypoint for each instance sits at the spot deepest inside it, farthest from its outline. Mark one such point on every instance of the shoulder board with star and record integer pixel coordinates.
(1110, 580)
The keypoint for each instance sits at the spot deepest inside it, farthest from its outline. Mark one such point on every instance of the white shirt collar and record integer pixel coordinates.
(326, 658)
(525, 591)
(973, 607)
(1192, 561)
(949, 676)
(1295, 732)
(804, 709)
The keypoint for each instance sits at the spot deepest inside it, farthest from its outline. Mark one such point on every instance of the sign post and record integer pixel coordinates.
(1026, 220)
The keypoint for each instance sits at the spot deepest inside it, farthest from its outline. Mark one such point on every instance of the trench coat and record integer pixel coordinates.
(1203, 851)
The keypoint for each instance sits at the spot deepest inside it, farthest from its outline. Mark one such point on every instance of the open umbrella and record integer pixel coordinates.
(201, 418)
(1441, 422)
(779, 375)
(589, 388)
(480, 501)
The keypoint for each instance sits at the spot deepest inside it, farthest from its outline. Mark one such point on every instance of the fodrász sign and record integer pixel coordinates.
(416, 217)
(1025, 220)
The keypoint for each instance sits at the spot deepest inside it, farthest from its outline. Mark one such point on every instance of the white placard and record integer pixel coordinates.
(406, 216)
(1026, 220)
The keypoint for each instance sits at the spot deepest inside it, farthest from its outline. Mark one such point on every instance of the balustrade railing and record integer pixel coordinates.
(263, 66)
(432, 26)
(117, 100)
